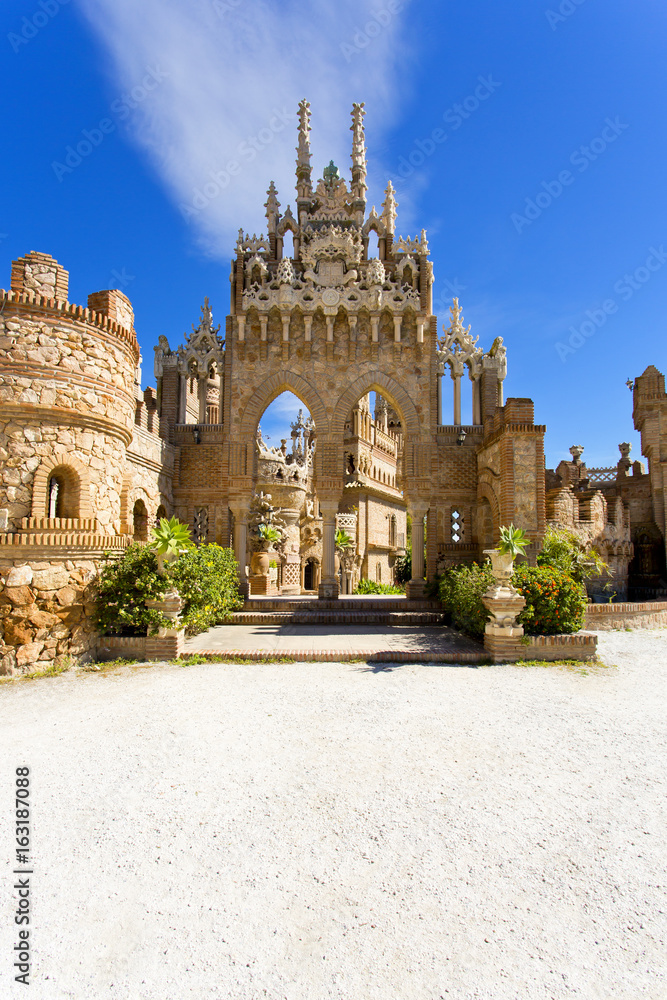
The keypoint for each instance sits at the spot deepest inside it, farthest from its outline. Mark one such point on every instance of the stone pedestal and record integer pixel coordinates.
(502, 636)
(168, 643)
(262, 586)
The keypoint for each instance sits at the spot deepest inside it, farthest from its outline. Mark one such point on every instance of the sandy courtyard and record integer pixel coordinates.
(309, 831)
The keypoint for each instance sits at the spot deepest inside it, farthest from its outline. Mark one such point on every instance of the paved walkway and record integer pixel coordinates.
(392, 643)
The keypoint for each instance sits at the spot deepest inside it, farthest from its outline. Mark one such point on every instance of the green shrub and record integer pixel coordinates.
(124, 585)
(461, 590)
(206, 578)
(371, 587)
(555, 602)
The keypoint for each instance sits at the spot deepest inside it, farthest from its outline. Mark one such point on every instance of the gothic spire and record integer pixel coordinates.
(359, 186)
(389, 205)
(272, 205)
(304, 186)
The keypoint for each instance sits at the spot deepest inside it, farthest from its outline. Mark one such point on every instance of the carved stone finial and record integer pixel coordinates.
(359, 186)
(303, 171)
(456, 314)
(458, 348)
(576, 451)
(272, 206)
(423, 244)
(389, 205)
(625, 449)
(358, 143)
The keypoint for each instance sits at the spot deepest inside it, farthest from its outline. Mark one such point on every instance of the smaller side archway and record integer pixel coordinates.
(140, 521)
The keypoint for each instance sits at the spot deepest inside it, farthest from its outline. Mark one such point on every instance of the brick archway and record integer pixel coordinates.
(283, 381)
(387, 387)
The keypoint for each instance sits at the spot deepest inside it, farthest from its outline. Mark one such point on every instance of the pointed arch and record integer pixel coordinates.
(272, 387)
(288, 222)
(374, 224)
(387, 387)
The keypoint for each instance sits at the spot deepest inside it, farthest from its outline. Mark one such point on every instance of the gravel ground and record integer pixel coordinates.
(307, 831)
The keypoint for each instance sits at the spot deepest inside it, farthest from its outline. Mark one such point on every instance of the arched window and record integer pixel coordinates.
(62, 493)
(392, 530)
(378, 573)
(140, 521)
(160, 513)
(288, 244)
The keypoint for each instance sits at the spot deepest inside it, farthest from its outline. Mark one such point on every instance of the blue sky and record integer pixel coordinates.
(541, 189)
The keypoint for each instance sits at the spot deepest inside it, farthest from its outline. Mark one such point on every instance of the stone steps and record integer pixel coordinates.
(343, 604)
(337, 618)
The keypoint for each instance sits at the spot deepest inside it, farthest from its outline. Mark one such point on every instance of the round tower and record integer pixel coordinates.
(67, 411)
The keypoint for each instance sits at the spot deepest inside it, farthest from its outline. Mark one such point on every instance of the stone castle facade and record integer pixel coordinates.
(89, 461)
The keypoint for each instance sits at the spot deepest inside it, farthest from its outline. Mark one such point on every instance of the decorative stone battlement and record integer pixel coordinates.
(32, 302)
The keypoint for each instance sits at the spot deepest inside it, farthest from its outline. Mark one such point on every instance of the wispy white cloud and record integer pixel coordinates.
(235, 72)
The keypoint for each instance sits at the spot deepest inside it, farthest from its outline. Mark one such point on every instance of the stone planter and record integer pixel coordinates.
(259, 563)
(502, 565)
(168, 643)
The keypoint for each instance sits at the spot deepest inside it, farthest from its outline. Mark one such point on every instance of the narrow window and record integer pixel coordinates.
(55, 500)
(457, 526)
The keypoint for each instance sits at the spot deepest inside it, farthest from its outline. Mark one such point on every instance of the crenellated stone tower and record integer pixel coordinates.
(72, 423)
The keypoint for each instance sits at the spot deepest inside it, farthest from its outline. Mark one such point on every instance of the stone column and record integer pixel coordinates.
(240, 544)
(476, 402)
(457, 398)
(328, 589)
(415, 588)
(202, 389)
(439, 403)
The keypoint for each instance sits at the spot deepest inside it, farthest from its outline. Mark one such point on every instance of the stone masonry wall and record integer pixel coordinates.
(45, 610)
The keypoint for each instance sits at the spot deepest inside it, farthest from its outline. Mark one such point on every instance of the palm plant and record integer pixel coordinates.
(343, 540)
(513, 541)
(170, 537)
(269, 533)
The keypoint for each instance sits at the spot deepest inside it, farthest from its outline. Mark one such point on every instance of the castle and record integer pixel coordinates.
(89, 461)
